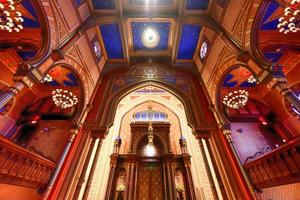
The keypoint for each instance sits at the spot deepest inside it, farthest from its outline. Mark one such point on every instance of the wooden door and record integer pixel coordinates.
(150, 181)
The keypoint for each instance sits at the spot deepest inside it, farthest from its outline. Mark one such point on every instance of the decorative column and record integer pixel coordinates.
(187, 164)
(85, 166)
(113, 164)
(205, 146)
(208, 167)
(130, 185)
(170, 179)
(87, 170)
(227, 132)
(135, 181)
(93, 169)
(280, 82)
(60, 163)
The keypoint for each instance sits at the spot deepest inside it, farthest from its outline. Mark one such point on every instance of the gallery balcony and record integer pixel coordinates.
(18, 166)
(277, 167)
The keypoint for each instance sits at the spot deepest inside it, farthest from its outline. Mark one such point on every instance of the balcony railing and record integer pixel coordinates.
(278, 167)
(18, 166)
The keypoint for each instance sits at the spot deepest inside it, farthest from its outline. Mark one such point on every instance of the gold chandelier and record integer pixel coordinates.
(64, 98)
(236, 99)
(290, 21)
(10, 18)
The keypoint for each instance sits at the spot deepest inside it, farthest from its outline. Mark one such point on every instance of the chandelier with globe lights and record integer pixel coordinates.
(64, 98)
(236, 99)
(252, 79)
(47, 79)
(10, 18)
(290, 21)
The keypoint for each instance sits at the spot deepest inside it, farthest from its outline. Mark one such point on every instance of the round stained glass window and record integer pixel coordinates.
(203, 50)
(150, 38)
(97, 49)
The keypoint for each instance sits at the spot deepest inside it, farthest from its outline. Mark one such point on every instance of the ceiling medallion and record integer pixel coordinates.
(236, 99)
(203, 50)
(150, 38)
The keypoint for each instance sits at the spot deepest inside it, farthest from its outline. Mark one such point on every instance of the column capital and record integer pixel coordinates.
(99, 132)
(202, 133)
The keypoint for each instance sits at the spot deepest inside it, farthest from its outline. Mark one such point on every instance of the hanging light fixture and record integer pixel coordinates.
(150, 149)
(47, 79)
(290, 21)
(252, 79)
(236, 99)
(64, 98)
(10, 18)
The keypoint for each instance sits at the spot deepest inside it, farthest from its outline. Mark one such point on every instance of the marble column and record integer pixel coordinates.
(92, 172)
(85, 166)
(207, 168)
(205, 142)
(90, 160)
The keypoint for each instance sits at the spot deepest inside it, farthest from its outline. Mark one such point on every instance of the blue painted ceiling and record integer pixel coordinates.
(112, 40)
(151, 2)
(29, 15)
(163, 28)
(188, 41)
(104, 4)
(197, 4)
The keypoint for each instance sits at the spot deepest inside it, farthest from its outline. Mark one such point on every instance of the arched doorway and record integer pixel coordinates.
(137, 101)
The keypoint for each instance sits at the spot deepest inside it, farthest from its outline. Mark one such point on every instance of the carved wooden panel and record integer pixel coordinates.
(150, 182)
(19, 166)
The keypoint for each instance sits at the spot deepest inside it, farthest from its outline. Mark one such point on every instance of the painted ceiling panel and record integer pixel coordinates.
(188, 41)
(104, 4)
(63, 77)
(150, 2)
(26, 54)
(238, 77)
(163, 28)
(271, 16)
(197, 4)
(112, 40)
(29, 15)
(273, 57)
